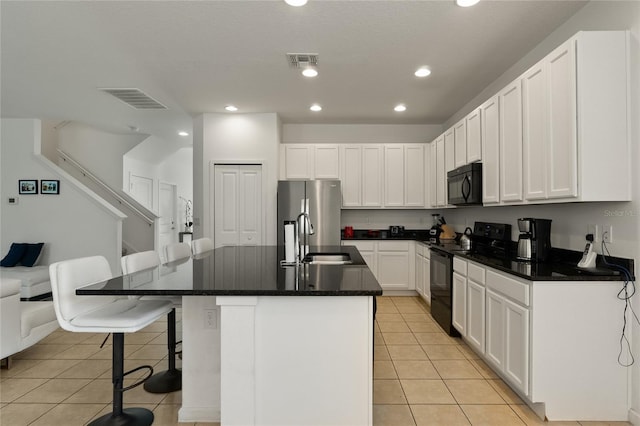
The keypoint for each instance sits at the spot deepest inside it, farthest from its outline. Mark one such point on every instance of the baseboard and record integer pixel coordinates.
(399, 293)
(198, 414)
(634, 417)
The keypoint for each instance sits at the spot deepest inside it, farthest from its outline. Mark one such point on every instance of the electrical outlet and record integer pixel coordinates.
(210, 319)
(13, 200)
(594, 229)
(607, 233)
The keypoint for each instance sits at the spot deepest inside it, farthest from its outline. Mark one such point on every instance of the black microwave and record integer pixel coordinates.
(464, 185)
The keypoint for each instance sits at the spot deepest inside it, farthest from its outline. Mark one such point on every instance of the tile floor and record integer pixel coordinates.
(421, 377)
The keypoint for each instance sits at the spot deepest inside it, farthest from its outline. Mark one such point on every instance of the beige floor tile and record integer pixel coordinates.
(130, 364)
(388, 317)
(530, 418)
(160, 339)
(22, 414)
(423, 327)
(69, 415)
(380, 353)
(14, 388)
(18, 366)
(378, 339)
(107, 352)
(87, 369)
(99, 391)
(49, 369)
(436, 338)
(394, 327)
(141, 338)
(505, 392)
(411, 309)
(415, 369)
(456, 369)
(468, 352)
(473, 392)
(443, 352)
(386, 309)
(484, 369)
(426, 392)
(150, 352)
(392, 415)
(156, 327)
(70, 338)
(417, 317)
(41, 352)
(78, 352)
(399, 338)
(167, 415)
(491, 415)
(54, 391)
(439, 415)
(384, 370)
(96, 339)
(388, 392)
(402, 352)
(172, 398)
(138, 395)
(589, 423)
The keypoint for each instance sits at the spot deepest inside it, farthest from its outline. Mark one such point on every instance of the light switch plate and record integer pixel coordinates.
(13, 200)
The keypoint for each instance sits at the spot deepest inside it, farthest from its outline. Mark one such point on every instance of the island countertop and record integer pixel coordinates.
(246, 271)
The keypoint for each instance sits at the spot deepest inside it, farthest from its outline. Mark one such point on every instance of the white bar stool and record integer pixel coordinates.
(201, 245)
(104, 314)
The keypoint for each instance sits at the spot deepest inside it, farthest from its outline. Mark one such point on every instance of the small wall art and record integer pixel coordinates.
(49, 186)
(27, 186)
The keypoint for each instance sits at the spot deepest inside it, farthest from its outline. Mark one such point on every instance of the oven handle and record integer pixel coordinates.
(466, 195)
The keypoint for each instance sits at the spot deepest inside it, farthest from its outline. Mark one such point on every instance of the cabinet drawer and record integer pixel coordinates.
(475, 273)
(361, 245)
(393, 246)
(460, 266)
(510, 287)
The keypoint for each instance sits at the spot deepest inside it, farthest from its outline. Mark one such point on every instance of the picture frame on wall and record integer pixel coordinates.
(27, 186)
(48, 186)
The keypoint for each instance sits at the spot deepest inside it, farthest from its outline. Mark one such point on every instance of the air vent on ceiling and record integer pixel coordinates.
(135, 98)
(302, 60)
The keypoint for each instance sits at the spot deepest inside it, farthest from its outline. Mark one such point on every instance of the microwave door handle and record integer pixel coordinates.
(468, 192)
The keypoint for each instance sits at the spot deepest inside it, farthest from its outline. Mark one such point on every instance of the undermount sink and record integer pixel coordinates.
(327, 258)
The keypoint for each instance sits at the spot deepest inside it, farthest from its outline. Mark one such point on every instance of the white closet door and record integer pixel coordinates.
(238, 204)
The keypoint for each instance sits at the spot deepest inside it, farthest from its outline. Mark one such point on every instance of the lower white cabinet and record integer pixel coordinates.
(459, 302)
(392, 262)
(475, 315)
(516, 356)
(423, 271)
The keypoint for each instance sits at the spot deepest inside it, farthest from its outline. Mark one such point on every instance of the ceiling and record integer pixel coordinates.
(198, 56)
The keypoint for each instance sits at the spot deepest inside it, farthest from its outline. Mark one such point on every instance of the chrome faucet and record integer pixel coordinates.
(307, 229)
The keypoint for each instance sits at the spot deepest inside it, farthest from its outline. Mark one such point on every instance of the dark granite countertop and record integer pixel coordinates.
(247, 271)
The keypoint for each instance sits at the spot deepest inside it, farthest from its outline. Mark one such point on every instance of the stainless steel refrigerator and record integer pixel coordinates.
(324, 199)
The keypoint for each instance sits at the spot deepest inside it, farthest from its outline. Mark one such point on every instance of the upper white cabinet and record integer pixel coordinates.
(490, 116)
(394, 175)
(441, 173)
(414, 175)
(351, 175)
(372, 175)
(433, 174)
(460, 143)
(449, 151)
(326, 162)
(474, 135)
(297, 160)
(510, 99)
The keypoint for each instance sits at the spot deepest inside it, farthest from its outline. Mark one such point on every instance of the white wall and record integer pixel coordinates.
(235, 138)
(360, 133)
(178, 169)
(72, 224)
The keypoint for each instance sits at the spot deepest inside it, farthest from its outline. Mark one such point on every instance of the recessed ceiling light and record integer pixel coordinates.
(400, 108)
(466, 3)
(315, 108)
(231, 108)
(296, 2)
(183, 133)
(422, 72)
(310, 72)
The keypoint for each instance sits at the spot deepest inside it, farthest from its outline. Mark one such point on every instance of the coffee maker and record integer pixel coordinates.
(534, 242)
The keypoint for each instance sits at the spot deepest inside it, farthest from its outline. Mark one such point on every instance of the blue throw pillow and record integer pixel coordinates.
(16, 252)
(31, 254)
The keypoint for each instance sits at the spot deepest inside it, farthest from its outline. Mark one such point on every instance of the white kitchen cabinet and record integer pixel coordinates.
(449, 151)
(490, 116)
(419, 274)
(372, 175)
(367, 250)
(326, 161)
(495, 329)
(426, 275)
(351, 175)
(298, 161)
(394, 175)
(460, 143)
(414, 175)
(423, 271)
(433, 174)
(441, 173)
(511, 142)
(535, 132)
(516, 356)
(475, 315)
(474, 136)
(395, 263)
(459, 303)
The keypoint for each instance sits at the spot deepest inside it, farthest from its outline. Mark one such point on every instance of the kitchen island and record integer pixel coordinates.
(268, 344)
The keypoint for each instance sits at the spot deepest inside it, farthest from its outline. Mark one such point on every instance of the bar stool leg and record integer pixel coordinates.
(120, 416)
(171, 379)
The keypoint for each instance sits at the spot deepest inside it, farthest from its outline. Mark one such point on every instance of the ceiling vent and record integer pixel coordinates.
(302, 60)
(135, 98)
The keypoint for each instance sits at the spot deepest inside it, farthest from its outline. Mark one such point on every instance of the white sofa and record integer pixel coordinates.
(22, 324)
(35, 281)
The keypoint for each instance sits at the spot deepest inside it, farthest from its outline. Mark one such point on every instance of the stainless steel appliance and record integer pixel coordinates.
(464, 185)
(320, 199)
(534, 242)
(441, 286)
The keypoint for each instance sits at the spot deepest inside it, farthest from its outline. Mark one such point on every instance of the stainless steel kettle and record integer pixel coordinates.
(465, 240)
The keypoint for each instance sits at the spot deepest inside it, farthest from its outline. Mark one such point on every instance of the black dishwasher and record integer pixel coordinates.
(441, 289)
